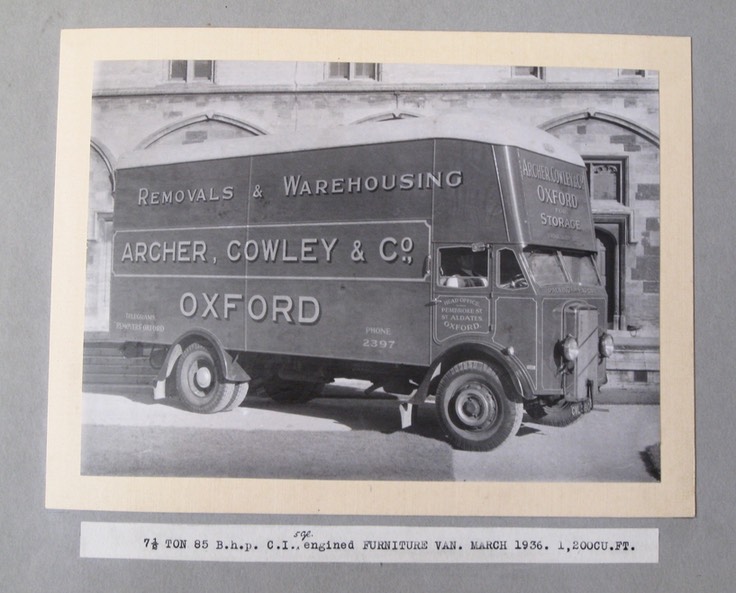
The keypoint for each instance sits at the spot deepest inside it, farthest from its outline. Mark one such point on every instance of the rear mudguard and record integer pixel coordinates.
(229, 368)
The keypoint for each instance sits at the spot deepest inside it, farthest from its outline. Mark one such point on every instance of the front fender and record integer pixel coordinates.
(511, 371)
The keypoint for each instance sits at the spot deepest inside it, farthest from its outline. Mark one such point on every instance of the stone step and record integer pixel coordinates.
(107, 369)
(105, 362)
(113, 389)
(118, 378)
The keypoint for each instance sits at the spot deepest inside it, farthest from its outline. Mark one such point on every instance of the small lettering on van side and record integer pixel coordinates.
(551, 174)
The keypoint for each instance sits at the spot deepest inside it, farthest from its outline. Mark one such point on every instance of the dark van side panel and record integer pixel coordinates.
(354, 183)
(474, 211)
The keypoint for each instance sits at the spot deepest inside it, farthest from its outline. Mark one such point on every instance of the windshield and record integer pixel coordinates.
(552, 267)
(581, 268)
(545, 267)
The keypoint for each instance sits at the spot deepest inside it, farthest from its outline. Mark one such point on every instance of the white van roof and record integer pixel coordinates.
(477, 127)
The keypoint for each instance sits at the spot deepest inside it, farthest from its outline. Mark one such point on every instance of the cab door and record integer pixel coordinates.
(515, 311)
(461, 294)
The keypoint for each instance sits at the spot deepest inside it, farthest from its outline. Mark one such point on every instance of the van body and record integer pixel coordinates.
(451, 257)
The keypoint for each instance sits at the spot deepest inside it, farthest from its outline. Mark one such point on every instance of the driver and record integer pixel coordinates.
(467, 274)
(465, 265)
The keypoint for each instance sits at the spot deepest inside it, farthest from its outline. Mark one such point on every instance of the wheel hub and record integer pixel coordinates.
(474, 405)
(203, 377)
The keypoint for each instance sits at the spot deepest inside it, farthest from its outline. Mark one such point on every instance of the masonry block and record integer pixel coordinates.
(647, 268)
(623, 139)
(652, 224)
(647, 191)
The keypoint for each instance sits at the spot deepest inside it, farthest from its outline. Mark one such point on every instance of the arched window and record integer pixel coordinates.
(389, 116)
(201, 128)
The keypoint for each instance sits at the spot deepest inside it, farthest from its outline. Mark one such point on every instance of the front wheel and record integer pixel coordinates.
(199, 384)
(473, 409)
(561, 413)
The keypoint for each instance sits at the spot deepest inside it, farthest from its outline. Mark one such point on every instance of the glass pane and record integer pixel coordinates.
(510, 274)
(365, 70)
(534, 71)
(339, 70)
(545, 267)
(178, 70)
(203, 69)
(461, 267)
(581, 268)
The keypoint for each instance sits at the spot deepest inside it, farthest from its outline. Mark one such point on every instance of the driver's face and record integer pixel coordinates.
(466, 260)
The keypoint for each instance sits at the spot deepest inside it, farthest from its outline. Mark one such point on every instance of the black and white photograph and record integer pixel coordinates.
(304, 282)
(358, 296)
(372, 271)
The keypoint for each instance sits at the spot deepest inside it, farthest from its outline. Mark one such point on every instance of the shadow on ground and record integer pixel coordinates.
(182, 452)
(344, 405)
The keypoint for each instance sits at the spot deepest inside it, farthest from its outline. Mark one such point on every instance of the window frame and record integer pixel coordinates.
(351, 74)
(632, 73)
(519, 262)
(538, 73)
(189, 77)
(622, 162)
(440, 274)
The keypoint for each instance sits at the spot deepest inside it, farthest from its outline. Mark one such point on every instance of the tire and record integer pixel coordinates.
(473, 409)
(562, 413)
(199, 382)
(292, 391)
(239, 393)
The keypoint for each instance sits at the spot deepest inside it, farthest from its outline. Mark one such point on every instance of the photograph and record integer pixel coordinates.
(360, 275)
(301, 270)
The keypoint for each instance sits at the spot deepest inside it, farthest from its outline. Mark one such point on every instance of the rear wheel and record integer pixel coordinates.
(239, 392)
(199, 383)
(473, 409)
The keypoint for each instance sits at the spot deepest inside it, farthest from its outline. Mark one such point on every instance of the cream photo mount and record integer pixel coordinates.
(66, 488)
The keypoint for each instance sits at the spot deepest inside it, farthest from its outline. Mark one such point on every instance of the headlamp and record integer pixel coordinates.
(570, 348)
(605, 345)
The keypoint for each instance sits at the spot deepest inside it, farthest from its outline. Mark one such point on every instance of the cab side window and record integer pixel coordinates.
(462, 267)
(510, 274)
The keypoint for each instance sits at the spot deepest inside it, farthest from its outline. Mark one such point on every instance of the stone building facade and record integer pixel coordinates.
(611, 117)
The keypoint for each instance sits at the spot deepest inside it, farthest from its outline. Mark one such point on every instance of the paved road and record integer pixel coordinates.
(346, 436)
